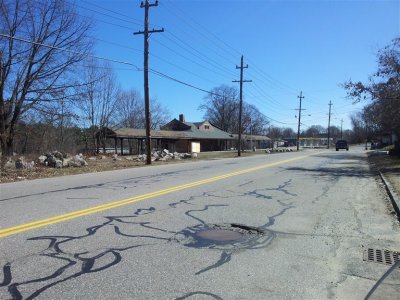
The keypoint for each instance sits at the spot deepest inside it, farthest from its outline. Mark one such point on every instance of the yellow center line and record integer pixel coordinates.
(95, 209)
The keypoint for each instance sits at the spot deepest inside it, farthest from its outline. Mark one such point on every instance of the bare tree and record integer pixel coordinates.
(98, 99)
(160, 115)
(221, 108)
(129, 109)
(33, 68)
(359, 127)
(315, 131)
(275, 132)
(382, 91)
(254, 121)
(288, 133)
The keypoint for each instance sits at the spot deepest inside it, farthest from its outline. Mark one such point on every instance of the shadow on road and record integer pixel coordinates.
(349, 165)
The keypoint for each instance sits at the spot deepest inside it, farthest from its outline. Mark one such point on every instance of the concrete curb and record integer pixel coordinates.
(392, 195)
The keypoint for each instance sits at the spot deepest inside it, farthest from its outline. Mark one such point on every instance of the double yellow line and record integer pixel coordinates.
(91, 210)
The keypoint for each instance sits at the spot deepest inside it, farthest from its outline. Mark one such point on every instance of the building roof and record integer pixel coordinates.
(253, 137)
(193, 133)
(179, 130)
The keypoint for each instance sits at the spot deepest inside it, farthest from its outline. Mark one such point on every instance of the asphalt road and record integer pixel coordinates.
(282, 226)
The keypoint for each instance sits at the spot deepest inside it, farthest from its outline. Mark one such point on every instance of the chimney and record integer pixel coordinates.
(182, 118)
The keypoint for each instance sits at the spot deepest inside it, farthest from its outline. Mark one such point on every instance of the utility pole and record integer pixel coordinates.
(329, 123)
(146, 32)
(298, 127)
(341, 129)
(241, 101)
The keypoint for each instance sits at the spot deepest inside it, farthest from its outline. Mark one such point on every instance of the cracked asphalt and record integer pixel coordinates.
(317, 214)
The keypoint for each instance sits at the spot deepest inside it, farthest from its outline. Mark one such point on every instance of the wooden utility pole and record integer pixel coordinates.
(341, 129)
(329, 123)
(298, 127)
(146, 32)
(241, 67)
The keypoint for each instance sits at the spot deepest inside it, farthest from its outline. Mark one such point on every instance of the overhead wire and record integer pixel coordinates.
(190, 49)
(70, 51)
(258, 89)
(208, 61)
(110, 60)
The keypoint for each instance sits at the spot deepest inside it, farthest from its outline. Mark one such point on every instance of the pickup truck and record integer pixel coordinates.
(342, 144)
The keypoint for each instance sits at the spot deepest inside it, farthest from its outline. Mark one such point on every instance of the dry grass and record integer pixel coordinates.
(389, 165)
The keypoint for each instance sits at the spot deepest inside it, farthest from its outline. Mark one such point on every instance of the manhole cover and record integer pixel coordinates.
(219, 235)
(223, 236)
(381, 256)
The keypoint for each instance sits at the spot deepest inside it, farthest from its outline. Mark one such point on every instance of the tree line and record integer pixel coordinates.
(381, 93)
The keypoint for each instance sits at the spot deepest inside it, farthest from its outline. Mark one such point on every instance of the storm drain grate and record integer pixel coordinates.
(381, 256)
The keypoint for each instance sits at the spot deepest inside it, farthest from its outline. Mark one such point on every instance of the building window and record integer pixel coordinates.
(206, 127)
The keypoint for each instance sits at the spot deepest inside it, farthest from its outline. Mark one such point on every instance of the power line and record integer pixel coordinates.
(182, 82)
(188, 59)
(182, 44)
(112, 60)
(107, 15)
(69, 51)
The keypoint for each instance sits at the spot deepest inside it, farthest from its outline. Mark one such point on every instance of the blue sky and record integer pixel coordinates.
(289, 46)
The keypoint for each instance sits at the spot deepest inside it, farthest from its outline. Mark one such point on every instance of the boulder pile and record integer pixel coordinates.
(60, 160)
(278, 150)
(165, 155)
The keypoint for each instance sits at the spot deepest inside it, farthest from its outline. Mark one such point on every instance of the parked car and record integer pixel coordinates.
(342, 144)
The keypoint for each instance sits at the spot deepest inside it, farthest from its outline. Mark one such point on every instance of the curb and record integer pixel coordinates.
(392, 195)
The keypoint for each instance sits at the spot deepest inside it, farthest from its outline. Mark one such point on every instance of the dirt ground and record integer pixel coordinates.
(389, 166)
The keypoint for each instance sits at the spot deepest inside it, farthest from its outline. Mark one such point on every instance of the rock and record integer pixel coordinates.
(194, 155)
(165, 152)
(50, 160)
(77, 161)
(30, 165)
(58, 163)
(66, 162)
(142, 157)
(58, 155)
(20, 163)
(42, 159)
(92, 158)
(9, 164)
(130, 158)
(114, 156)
(186, 155)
